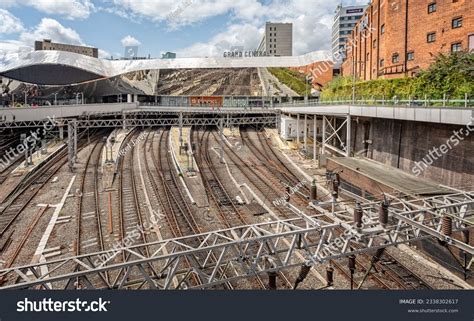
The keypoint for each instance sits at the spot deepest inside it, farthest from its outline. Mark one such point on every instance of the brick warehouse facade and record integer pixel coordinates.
(397, 38)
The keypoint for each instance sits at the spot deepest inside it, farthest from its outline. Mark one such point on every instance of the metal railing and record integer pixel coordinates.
(443, 103)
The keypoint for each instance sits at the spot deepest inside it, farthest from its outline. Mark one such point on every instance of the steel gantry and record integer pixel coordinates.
(258, 248)
(335, 132)
(336, 136)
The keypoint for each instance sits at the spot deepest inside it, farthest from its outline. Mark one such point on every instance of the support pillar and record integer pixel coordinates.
(75, 140)
(221, 140)
(27, 158)
(348, 136)
(70, 145)
(61, 132)
(180, 131)
(324, 136)
(315, 135)
(298, 131)
(305, 133)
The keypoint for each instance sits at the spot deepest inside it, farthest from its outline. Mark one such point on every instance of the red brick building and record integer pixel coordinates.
(397, 38)
(320, 72)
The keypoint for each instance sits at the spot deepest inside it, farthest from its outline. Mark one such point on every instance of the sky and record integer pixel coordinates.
(191, 28)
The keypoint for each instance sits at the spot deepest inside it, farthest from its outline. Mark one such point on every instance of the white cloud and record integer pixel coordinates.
(312, 20)
(130, 41)
(104, 54)
(51, 29)
(11, 50)
(236, 35)
(9, 23)
(71, 9)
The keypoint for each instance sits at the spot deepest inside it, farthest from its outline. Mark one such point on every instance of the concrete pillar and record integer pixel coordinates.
(75, 140)
(324, 136)
(348, 136)
(135, 98)
(70, 145)
(315, 135)
(44, 147)
(221, 140)
(278, 124)
(305, 132)
(129, 98)
(180, 131)
(298, 130)
(61, 132)
(27, 158)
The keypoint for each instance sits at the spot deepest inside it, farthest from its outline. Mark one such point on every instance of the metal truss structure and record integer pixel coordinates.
(140, 119)
(335, 132)
(219, 257)
(333, 135)
(186, 121)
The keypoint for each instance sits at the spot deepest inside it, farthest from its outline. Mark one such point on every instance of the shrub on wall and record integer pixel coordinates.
(450, 74)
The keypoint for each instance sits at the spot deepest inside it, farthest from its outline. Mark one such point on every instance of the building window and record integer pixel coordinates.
(432, 7)
(431, 37)
(374, 45)
(471, 42)
(395, 58)
(382, 62)
(457, 22)
(411, 55)
(456, 47)
(382, 29)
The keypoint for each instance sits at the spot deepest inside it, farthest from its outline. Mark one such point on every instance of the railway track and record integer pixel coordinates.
(165, 187)
(229, 214)
(178, 213)
(397, 275)
(31, 187)
(131, 217)
(89, 229)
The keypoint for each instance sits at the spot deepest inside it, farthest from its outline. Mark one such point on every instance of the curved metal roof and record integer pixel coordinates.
(40, 67)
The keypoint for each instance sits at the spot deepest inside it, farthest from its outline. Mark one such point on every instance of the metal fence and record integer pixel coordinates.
(444, 103)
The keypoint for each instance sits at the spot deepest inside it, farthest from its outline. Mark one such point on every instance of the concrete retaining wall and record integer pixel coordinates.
(404, 144)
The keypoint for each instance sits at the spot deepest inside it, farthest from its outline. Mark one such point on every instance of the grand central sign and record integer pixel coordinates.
(245, 54)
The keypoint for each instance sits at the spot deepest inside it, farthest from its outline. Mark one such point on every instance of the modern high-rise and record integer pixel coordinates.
(344, 21)
(47, 44)
(277, 39)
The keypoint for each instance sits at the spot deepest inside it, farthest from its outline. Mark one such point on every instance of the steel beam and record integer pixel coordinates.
(256, 249)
